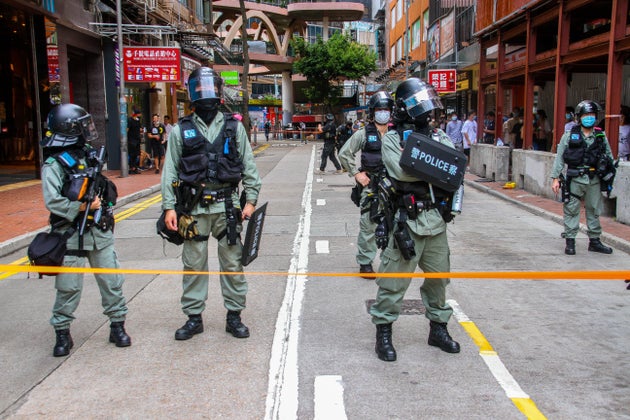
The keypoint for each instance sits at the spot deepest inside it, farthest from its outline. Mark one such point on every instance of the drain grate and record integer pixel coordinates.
(409, 306)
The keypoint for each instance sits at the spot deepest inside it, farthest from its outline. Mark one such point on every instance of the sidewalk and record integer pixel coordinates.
(24, 213)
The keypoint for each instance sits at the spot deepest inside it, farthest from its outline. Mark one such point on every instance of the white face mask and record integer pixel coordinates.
(382, 117)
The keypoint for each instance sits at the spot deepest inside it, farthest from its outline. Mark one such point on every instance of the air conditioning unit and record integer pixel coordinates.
(173, 44)
(151, 4)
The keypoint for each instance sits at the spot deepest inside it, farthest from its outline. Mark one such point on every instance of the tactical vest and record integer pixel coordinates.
(577, 154)
(371, 157)
(215, 162)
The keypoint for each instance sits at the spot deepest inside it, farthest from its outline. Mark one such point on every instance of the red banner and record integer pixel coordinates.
(151, 64)
(444, 81)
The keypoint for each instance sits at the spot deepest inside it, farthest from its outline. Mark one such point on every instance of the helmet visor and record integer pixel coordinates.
(205, 87)
(88, 129)
(422, 102)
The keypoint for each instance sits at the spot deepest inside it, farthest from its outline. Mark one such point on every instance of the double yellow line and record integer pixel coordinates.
(117, 217)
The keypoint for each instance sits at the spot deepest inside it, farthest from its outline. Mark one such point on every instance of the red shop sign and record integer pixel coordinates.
(444, 81)
(151, 64)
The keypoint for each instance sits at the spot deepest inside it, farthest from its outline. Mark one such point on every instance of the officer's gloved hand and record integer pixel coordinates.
(628, 281)
(381, 236)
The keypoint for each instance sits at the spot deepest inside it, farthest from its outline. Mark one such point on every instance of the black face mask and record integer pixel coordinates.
(206, 111)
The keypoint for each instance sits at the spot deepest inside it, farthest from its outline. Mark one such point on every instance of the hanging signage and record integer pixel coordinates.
(151, 64)
(230, 77)
(443, 80)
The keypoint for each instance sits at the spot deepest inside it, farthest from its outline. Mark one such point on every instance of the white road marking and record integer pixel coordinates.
(329, 398)
(282, 390)
(321, 201)
(321, 247)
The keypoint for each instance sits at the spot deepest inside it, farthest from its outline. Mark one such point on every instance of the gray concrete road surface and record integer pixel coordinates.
(555, 348)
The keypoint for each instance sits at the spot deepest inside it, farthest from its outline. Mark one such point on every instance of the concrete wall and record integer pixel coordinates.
(621, 190)
(492, 162)
(531, 170)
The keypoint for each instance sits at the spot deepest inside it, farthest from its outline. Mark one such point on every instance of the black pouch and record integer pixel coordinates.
(355, 195)
(193, 168)
(229, 170)
(172, 236)
(48, 249)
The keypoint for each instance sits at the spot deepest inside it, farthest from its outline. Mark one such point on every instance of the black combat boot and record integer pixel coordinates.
(439, 337)
(570, 248)
(595, 245)
(193, 326)
(366, 269)
(118, 335)
(234, 326)
(64, 343)
(384, 347)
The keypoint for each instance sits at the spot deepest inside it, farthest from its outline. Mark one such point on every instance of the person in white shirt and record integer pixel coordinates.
(469, 132)
(624, 134)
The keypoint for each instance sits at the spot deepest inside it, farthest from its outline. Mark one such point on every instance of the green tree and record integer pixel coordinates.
(327, 64)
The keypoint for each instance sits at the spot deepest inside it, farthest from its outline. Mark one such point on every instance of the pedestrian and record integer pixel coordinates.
(68, 157)
(489, 128)
(454, 131)
(415, 240)
(167, 130)
(583, 150)
(569, 118)
(367, 177)
(542, 131)
(134, 138)
(329, 133)
(302, 135)
(624, 134)
(267, 128)
(469, 132)
(344, 132)
(156, 136)
(216, 210)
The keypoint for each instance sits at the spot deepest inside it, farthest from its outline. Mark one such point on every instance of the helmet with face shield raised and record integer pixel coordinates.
(69, 125)
(416, 99)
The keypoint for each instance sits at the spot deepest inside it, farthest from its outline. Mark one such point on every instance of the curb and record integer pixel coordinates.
(615, 241)
(23, 241)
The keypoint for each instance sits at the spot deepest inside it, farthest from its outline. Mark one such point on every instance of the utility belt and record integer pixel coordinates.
(413, 205)
(573, 172)
(211, 196)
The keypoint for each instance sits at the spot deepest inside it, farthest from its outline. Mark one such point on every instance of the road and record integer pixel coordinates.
(550, 348)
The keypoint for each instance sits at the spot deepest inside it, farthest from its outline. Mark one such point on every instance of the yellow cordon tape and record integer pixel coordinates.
(497, 275)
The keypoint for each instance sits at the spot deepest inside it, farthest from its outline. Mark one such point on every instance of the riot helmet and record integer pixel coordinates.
(69, 125)
(205, 87)
(380, 100)
(330, 117)
(587, 107)
(417, 98)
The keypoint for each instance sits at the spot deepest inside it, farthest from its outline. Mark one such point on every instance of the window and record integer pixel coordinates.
(393, 17)
(415, 34)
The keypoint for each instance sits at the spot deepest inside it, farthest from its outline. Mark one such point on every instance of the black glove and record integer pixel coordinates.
(628, 281)
(381, 236)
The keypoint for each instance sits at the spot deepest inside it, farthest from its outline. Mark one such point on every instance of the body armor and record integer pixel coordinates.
(214, 162)
(577, 154)
(371, 158)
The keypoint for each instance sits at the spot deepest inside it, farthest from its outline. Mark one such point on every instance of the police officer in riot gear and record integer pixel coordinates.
(328, 151)
(67, 155)
(590, 170)
(369, 174)
(208, 156)
(415, 238)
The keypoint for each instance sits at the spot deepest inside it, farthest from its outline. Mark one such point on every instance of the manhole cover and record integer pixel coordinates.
(483, 180)
(409, 306)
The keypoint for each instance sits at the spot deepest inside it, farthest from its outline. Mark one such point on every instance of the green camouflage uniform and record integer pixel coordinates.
(99, 247)
(428, 232)
(211, 220)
